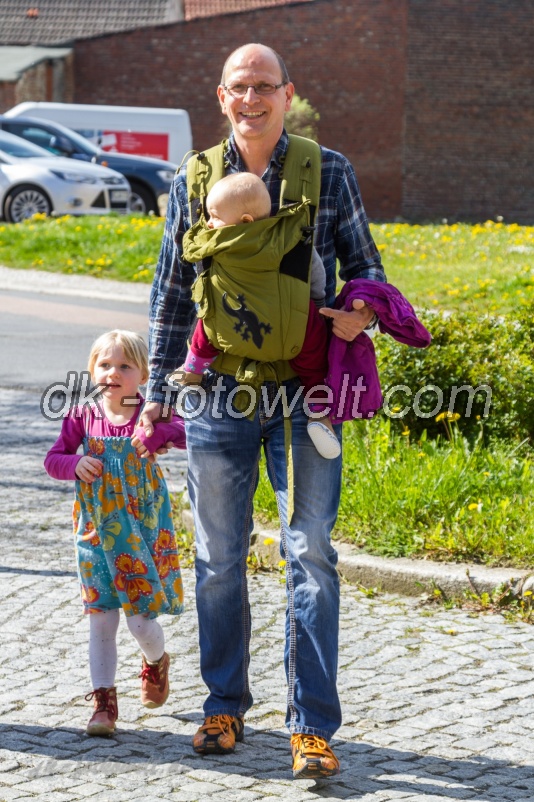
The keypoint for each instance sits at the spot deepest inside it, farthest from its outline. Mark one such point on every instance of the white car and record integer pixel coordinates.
(32, 181)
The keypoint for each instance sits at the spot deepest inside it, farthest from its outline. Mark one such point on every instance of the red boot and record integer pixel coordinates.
(155, 681)
(103, 720)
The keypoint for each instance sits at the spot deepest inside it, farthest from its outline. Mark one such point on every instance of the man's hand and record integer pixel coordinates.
(347, 325)
(152, 412)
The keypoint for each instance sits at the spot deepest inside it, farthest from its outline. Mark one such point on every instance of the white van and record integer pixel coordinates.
(141, 131)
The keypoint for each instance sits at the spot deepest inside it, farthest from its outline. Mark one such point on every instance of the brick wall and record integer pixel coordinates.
(433, 102)
(347, 58)
(51, 79)
(469, 150)
(7, 95)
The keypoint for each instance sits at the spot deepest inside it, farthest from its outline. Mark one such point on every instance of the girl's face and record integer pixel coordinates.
(119, 377)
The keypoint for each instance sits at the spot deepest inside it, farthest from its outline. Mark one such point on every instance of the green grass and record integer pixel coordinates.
(124, 248)
(444, 498)
(489, 267)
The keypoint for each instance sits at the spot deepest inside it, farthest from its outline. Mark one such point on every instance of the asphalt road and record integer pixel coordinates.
(43, 336)
(48, 322)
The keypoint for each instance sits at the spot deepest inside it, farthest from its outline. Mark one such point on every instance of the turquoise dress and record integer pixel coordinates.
(124, 533)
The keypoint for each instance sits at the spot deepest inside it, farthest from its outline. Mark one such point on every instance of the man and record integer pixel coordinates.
(223, 450)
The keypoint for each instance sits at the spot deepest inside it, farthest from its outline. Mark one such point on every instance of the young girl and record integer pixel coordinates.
(123, 524)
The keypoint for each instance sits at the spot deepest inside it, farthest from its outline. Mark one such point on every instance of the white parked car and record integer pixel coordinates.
(32, 181)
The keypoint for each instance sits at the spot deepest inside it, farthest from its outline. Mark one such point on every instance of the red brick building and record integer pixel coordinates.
(432, 100)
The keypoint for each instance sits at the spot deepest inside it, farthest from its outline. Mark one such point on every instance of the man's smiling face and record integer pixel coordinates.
(253, 116)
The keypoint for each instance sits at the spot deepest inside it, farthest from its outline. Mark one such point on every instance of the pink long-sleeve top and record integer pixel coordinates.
(61, 460)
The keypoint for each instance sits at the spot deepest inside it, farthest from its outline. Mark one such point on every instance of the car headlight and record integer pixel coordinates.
(115, 180)
(166, 175)
(77, 178)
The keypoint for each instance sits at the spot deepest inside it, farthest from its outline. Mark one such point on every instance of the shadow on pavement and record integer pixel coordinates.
(264, 756)
(4, 569)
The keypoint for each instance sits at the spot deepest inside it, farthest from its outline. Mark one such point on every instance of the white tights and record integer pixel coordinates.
(103, 643)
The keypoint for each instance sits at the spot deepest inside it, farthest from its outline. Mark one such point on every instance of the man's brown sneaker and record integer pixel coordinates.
(155, 681)
(218, 735)
(312, 757)
(103, 720)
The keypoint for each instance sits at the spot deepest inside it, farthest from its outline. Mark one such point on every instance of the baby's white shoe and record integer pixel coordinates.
(324, 438)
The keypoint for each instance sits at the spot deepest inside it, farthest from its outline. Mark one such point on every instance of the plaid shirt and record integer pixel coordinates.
(342, 233)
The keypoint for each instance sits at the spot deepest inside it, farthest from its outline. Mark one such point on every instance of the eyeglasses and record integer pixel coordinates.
(240, 90)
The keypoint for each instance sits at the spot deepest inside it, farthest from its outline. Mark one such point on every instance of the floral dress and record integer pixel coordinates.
(123, 526)
(124, 533)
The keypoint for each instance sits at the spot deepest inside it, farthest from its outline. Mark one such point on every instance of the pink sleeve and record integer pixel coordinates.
(200, 345)
(174, 432)
(61, 460)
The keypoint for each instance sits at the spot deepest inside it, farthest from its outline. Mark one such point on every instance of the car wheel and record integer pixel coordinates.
(142, 200)
(25, 201)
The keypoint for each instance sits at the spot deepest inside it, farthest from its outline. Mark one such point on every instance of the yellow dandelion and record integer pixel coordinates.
(450, 416)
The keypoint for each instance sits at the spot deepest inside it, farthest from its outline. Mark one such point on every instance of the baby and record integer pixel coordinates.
(242, 198)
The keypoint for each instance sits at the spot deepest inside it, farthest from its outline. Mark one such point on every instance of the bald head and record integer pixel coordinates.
(247, 53)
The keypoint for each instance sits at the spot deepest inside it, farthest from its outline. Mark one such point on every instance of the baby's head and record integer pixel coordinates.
(133, 347)
(238, 198)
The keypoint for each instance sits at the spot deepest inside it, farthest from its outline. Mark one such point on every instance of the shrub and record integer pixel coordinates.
(302, 119)
(467, 350)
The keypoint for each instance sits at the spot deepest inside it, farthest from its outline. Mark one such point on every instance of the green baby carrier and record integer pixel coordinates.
(253, 291)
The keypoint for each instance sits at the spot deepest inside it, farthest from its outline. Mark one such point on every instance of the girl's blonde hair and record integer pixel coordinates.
(133, 345)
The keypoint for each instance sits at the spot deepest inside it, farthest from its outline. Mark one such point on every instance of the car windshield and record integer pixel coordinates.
(16, 146)
(82, 144)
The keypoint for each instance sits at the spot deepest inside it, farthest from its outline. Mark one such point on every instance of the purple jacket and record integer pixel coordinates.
(352, 372)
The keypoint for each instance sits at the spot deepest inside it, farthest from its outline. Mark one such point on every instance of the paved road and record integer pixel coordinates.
(438, 706)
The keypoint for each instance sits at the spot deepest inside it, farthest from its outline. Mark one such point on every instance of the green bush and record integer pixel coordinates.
(302, 119)
(467, 350)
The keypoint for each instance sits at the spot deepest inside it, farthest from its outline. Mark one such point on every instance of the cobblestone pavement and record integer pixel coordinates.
(438, 705)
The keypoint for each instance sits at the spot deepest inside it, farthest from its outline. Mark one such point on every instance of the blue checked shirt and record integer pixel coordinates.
(342, 232)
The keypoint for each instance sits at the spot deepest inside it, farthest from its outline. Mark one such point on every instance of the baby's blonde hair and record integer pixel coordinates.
(246, 191)
(133, 345)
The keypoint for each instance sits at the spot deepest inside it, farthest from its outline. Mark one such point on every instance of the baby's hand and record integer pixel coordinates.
(183, 378)
(88, 469)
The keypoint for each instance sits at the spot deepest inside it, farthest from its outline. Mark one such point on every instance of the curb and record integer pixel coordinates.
(391, 575)
(49, 283)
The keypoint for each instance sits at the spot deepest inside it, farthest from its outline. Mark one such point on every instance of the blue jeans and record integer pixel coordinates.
(223, 458)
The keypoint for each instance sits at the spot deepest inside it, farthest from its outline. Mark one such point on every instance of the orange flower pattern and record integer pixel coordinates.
(130, 577)
(166, 556)
(124, 530)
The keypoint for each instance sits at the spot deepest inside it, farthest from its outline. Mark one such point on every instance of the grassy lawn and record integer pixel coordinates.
(446, 498)
(441, 499)
(124, 248)
(489, 267)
